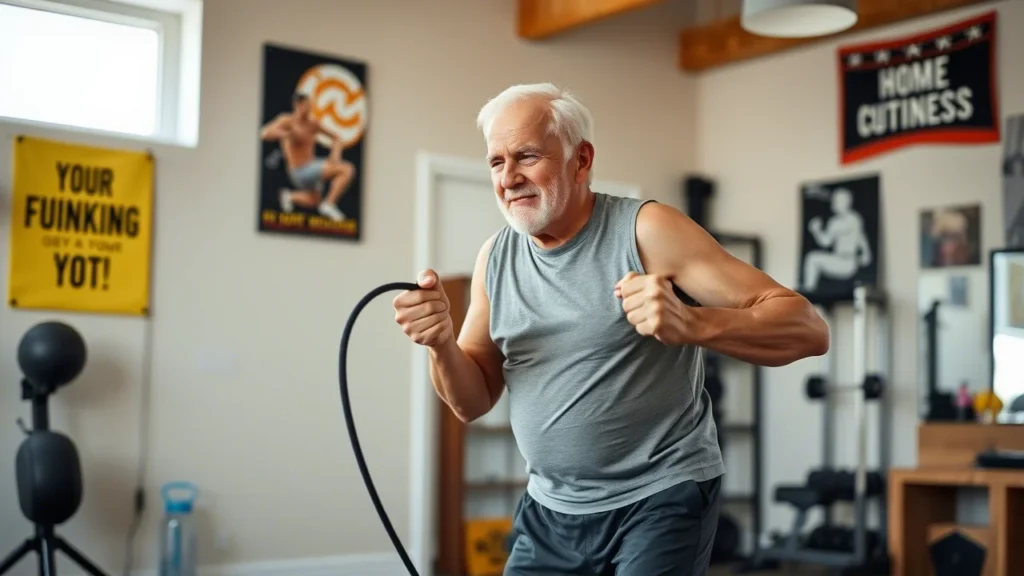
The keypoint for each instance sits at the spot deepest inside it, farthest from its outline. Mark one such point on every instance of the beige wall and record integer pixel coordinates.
(765, 126)
(254, 386)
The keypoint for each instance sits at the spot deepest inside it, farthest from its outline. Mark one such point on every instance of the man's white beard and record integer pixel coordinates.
(533, 221)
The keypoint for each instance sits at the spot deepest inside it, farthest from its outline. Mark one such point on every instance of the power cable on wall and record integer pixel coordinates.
(145, 386)
(139, 500)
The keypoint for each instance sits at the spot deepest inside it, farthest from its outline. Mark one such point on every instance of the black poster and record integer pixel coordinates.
(840, 237)
(938, 87)
(313, 129)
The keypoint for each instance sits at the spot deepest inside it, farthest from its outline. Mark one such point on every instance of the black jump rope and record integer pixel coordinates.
(343, 383)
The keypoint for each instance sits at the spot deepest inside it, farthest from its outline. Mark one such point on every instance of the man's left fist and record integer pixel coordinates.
(653, 308)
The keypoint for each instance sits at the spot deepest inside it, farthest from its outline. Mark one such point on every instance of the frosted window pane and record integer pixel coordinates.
(78, 71)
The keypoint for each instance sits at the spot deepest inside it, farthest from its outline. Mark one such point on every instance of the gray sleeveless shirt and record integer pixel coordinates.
(602, 415)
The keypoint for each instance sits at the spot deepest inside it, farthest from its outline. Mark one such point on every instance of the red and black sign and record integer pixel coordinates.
(938, 87)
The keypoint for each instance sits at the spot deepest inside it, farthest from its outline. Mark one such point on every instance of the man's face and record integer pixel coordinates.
(841, 201)
(301, 106)
(531, 180)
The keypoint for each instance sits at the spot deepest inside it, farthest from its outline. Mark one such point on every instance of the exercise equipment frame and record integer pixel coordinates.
(753, 431)
(793, 546)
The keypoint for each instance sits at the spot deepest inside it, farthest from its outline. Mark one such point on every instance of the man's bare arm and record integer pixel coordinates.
(321, 130)
(744, 313)
(277, 128)
(824, 236)
(467, 369)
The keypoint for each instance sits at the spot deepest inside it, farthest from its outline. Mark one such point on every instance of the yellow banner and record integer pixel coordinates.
(80, 228)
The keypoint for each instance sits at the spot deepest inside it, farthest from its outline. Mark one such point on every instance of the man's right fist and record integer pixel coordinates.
(424, 314)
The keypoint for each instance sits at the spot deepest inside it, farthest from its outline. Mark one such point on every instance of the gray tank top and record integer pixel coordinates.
(602, 415)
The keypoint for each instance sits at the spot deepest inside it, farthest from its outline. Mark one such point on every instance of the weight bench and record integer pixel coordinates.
(793, 547)
(803, 498)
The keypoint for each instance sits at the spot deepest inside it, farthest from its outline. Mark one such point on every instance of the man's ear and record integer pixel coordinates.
(585, 161)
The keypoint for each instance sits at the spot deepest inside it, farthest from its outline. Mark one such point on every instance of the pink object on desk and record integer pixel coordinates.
(963, 397)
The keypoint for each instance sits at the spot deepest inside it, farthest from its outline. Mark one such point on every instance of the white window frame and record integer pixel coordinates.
(178, 24)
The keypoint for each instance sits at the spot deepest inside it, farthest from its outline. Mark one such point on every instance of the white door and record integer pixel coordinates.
(456, 213)
(466, 216)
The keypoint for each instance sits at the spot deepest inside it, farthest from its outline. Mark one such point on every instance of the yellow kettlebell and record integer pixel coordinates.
(987, 405)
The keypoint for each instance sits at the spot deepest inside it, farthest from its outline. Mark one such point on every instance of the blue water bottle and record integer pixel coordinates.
(178, 531)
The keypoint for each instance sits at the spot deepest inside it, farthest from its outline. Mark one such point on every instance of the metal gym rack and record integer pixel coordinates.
(697, 193)
(752, 430)
(852, 549)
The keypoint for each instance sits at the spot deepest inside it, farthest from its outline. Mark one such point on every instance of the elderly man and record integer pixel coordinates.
(573, 311)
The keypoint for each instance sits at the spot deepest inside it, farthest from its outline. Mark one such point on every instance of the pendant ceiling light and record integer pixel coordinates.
(798, 18)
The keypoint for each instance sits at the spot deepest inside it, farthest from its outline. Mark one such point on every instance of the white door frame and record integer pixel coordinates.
(423, 420)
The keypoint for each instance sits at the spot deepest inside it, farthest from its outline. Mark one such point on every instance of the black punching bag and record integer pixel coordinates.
(51, 354)
(49, 473)
(49, 477)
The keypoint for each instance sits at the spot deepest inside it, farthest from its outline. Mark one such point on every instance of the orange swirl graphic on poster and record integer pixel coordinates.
(338, 101)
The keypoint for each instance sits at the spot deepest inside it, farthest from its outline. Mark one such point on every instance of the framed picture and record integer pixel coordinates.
(839, 235)
(313, 130)
(951, 236)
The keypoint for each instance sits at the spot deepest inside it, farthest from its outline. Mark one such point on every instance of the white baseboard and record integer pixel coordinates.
(347, 565)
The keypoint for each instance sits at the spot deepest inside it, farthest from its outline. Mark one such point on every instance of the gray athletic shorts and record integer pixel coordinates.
(309, 175)
(667, 534)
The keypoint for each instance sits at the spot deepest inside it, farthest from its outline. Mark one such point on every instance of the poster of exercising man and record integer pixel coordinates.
(840, 236)
(312, 133)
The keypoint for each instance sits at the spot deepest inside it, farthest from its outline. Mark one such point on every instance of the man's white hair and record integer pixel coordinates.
(569, 119)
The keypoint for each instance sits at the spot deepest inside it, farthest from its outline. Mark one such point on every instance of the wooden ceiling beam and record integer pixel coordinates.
(721, 43)
(539, 19)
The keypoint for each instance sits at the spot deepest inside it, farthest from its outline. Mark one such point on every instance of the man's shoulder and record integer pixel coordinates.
(627, 210)
(626, 202)
(654, 218)
(666, 237)
(494, 240)
(488, 254)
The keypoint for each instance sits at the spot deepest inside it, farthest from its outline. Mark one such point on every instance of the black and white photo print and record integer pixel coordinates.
(1013, 182)
(840, 237)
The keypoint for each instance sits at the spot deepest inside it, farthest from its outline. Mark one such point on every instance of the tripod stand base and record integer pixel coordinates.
(46, 544)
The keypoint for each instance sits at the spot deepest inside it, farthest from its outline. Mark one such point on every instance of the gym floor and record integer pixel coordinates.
(727, 570)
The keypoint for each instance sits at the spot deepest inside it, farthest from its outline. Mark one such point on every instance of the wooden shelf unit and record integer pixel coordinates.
(454, 489)
(923, 500)
(923, 508)
(451, 490)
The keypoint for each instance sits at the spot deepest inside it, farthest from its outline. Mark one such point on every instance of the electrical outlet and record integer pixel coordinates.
(223, 541)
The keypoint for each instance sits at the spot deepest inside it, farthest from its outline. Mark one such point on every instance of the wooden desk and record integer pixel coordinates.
(957, 444)
(922, 508)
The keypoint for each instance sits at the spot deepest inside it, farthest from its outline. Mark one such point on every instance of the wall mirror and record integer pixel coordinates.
(953, 343)
(1006, 282)
(952, 301)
